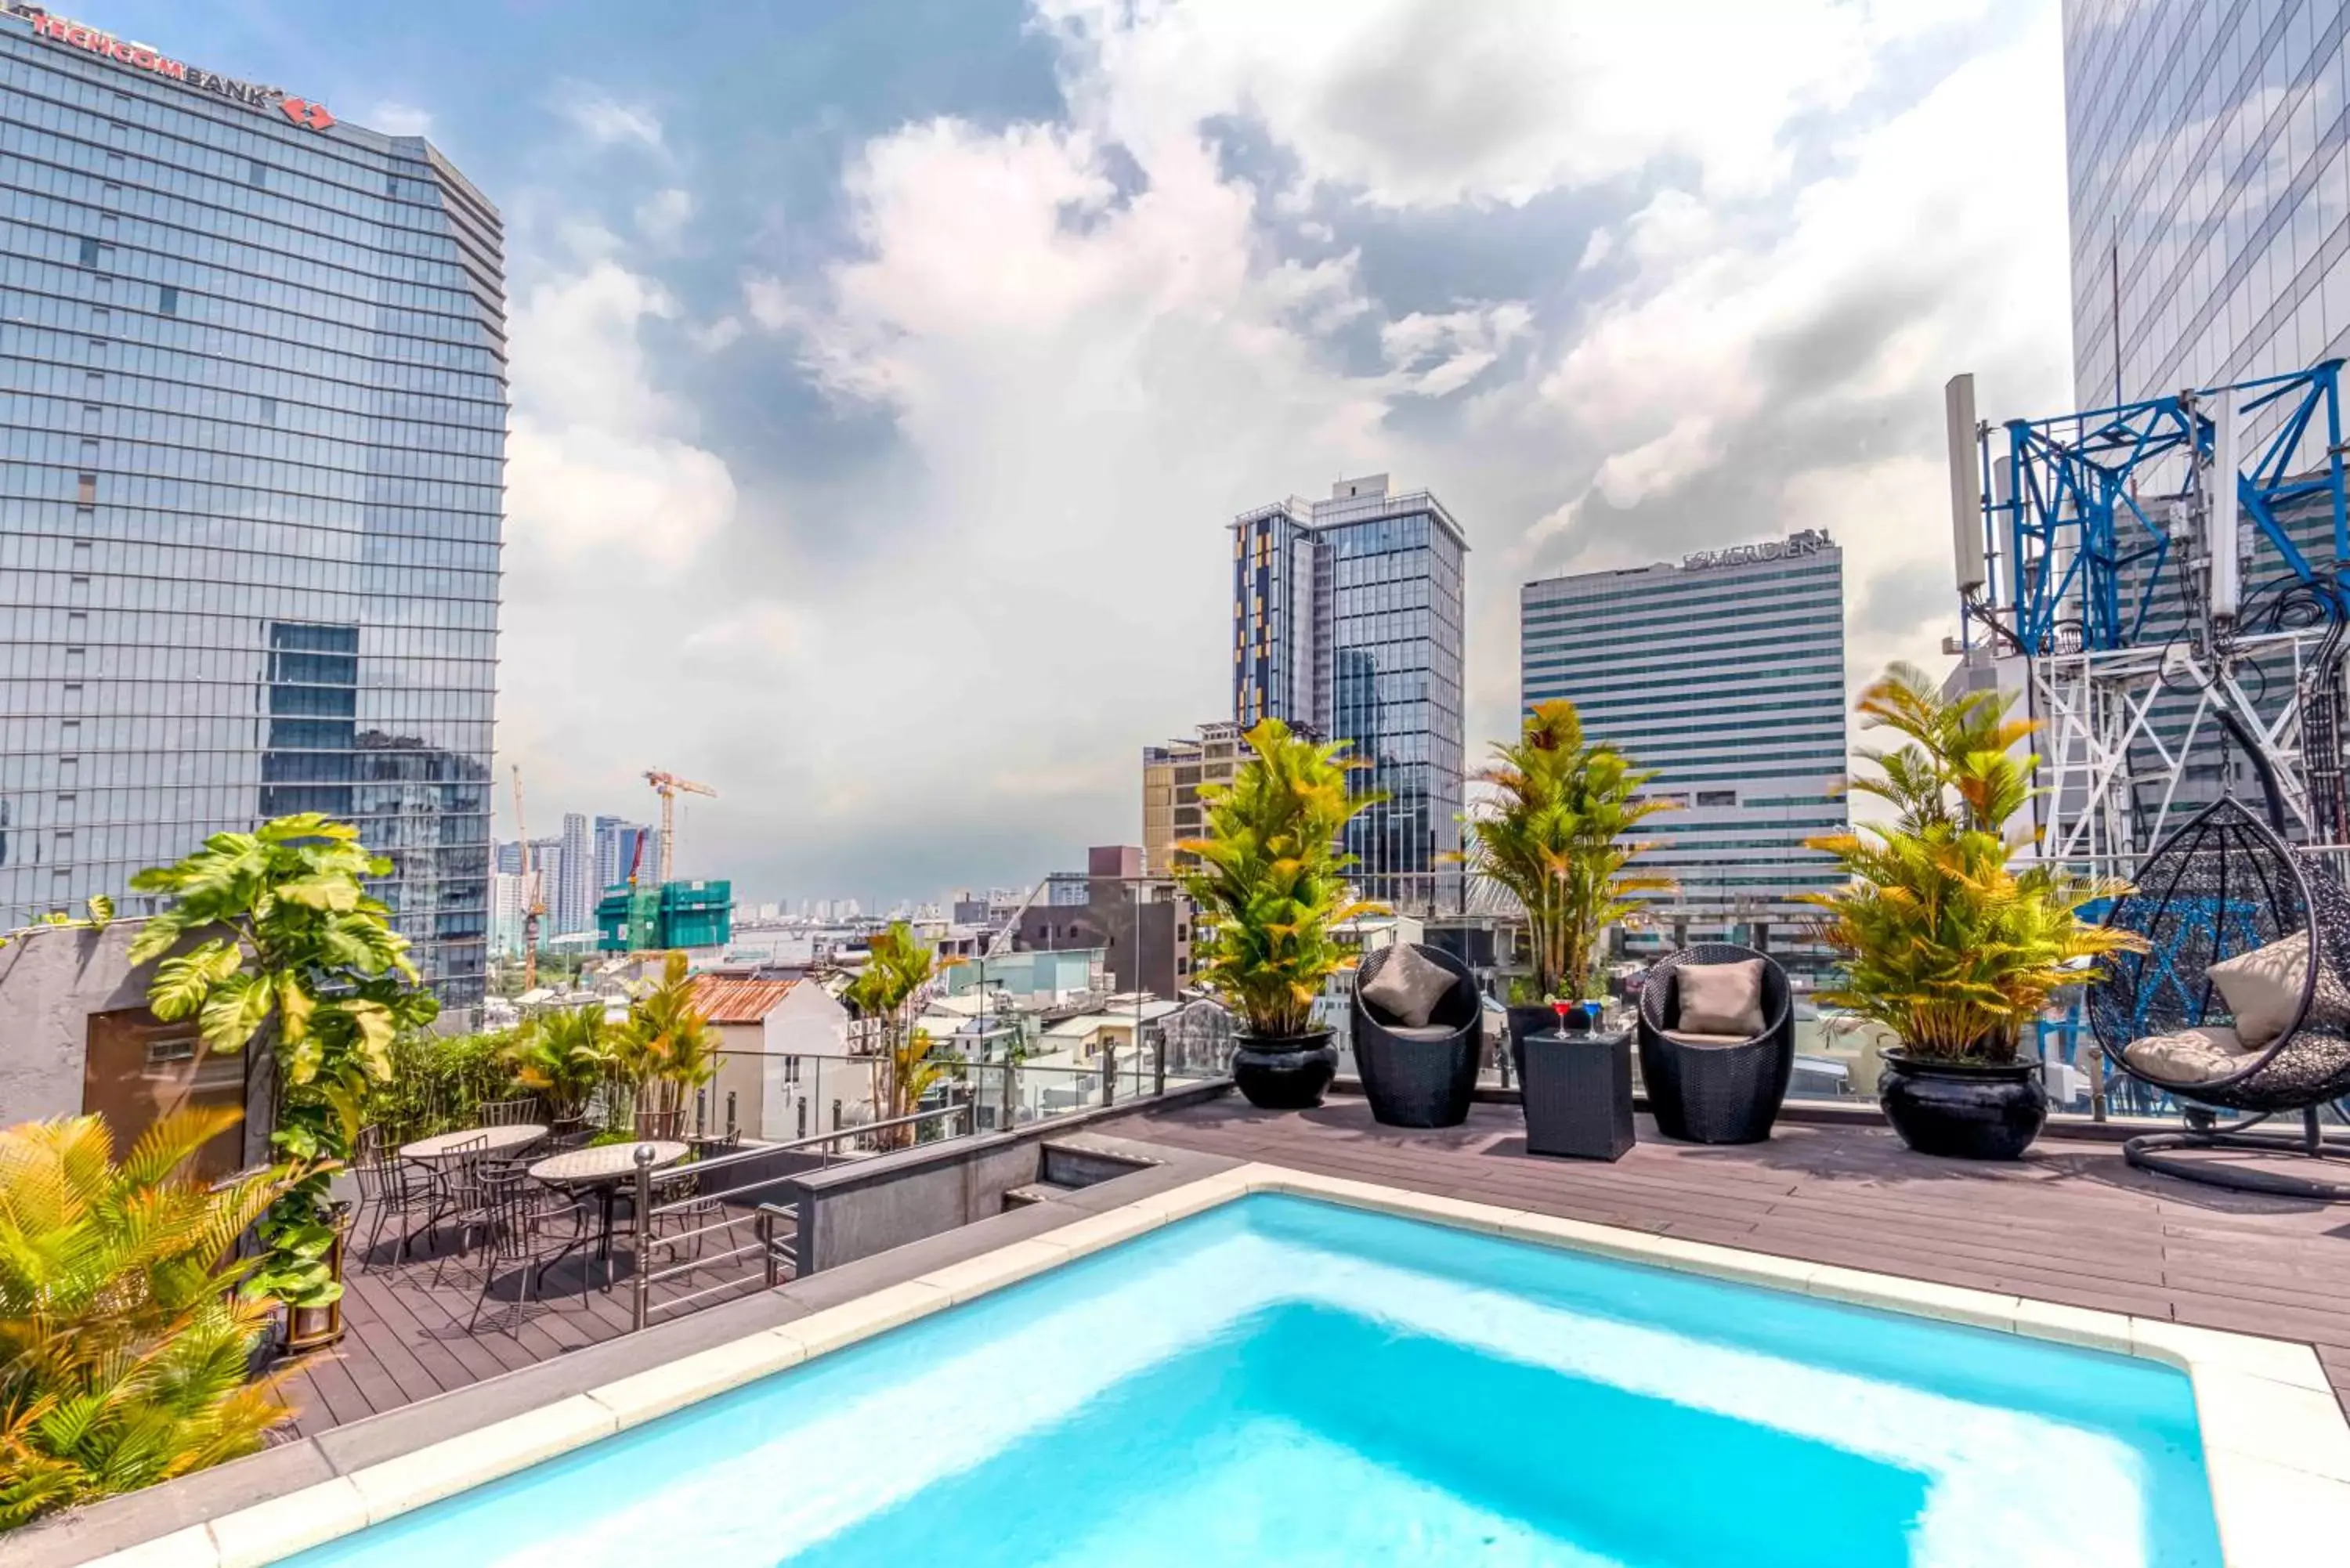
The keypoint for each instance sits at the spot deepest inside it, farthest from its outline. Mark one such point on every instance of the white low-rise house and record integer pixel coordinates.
(776, 1038)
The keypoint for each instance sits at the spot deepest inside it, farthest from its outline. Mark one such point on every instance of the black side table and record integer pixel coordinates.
(1579, 1095)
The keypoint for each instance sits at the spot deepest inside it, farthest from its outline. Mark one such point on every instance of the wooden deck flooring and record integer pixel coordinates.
(2071, 1224)
(407, 1336)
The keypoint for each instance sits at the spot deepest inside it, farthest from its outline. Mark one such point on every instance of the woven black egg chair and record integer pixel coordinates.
(2224, 885)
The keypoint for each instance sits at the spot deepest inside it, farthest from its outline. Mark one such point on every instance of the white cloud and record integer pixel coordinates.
(1442, 353)
(605, 121)
(394, 119)
(1089, 372)
(1426, 102)
(661, 217)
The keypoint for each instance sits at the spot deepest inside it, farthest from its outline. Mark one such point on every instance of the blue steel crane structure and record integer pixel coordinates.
(2161, 632)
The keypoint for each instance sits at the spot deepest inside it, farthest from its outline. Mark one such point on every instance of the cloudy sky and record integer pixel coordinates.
(885, 371)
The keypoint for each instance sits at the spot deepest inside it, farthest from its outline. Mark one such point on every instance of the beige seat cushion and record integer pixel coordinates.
(1683, 1037)
(2190, 1056)
(2262, 989)
(1430, 1033)
(1407, 986)
(1720, 998)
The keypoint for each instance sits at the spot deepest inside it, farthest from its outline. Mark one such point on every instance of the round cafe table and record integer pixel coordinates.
(442, 1150)
(602, 1168)
(494, 1141)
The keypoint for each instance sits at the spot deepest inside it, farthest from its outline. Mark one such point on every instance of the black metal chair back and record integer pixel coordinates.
(461, 1173)
(511, 1113)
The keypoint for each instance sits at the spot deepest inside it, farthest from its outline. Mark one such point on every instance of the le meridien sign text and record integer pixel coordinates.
(1808, 542)
(140, 57)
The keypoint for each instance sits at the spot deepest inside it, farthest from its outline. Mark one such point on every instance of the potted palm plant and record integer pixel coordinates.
(295, 953)
(1555, 834)
(1942, 939)
(1269, 885)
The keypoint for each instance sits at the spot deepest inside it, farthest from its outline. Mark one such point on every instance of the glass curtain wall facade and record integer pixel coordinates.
(1346, 619)
(1725, 674)
(2209, 157)
(252, 428)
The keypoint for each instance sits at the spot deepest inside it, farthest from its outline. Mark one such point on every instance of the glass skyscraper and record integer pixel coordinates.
(1347, 617)
(253, 397)
(1725, 674)
(2209, 156)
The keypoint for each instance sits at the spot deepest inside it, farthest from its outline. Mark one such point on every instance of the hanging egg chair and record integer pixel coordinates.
(2240, 1001)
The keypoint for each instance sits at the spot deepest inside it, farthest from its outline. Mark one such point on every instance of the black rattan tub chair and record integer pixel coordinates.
(1419, 1078)
(2223, 886)
(1705, 1089)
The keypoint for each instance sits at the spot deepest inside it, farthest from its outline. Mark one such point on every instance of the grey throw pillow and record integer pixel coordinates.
(1720, 998)
(1407, 986)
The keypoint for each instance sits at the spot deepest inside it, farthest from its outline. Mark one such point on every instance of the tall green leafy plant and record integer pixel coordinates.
(293, 950)
(1941, 939)
(1270, 881)
(899, 969)
(1556, 835)
(668, 1045)
(123, 1340)
(560, 1055)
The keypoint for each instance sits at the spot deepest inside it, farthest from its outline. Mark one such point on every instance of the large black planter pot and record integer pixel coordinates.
(1289, 1074)
(1963, 1111)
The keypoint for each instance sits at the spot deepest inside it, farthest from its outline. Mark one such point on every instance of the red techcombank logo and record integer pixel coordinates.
(313, 115)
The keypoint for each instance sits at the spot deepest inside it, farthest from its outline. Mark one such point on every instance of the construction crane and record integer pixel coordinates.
(669, 786)
(533, 906)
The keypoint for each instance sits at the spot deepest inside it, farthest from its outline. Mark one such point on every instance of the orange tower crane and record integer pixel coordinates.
(533, 906)
(669, 786)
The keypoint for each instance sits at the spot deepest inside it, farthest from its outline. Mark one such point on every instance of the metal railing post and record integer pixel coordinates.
(1159, 1064)
(642, 1283)
(767, 1244)
(1110, 1073)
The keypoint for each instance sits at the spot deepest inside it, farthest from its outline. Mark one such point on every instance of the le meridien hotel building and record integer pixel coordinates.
(253, 402)
(1725, 674)
(1347, 617)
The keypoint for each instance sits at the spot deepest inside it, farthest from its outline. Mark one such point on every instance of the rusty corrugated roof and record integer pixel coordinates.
(724, 1000)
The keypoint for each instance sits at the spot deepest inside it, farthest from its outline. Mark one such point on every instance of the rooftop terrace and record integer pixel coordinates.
(2071, 1224)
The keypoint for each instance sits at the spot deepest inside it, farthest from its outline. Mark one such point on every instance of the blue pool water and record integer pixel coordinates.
(1287, 1382)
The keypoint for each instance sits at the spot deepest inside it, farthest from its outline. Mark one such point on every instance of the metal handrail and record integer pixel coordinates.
(642, 1278)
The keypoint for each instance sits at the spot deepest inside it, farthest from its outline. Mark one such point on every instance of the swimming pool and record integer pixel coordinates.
(1283, 1380)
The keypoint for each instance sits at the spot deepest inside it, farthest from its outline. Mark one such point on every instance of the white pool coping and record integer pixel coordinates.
(2276, 1445)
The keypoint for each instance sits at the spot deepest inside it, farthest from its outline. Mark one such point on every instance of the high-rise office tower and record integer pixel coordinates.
(573, 900)
(616, 841)
(2208, 158)
(1725, 674)
(253, 386)
(1346, 619)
